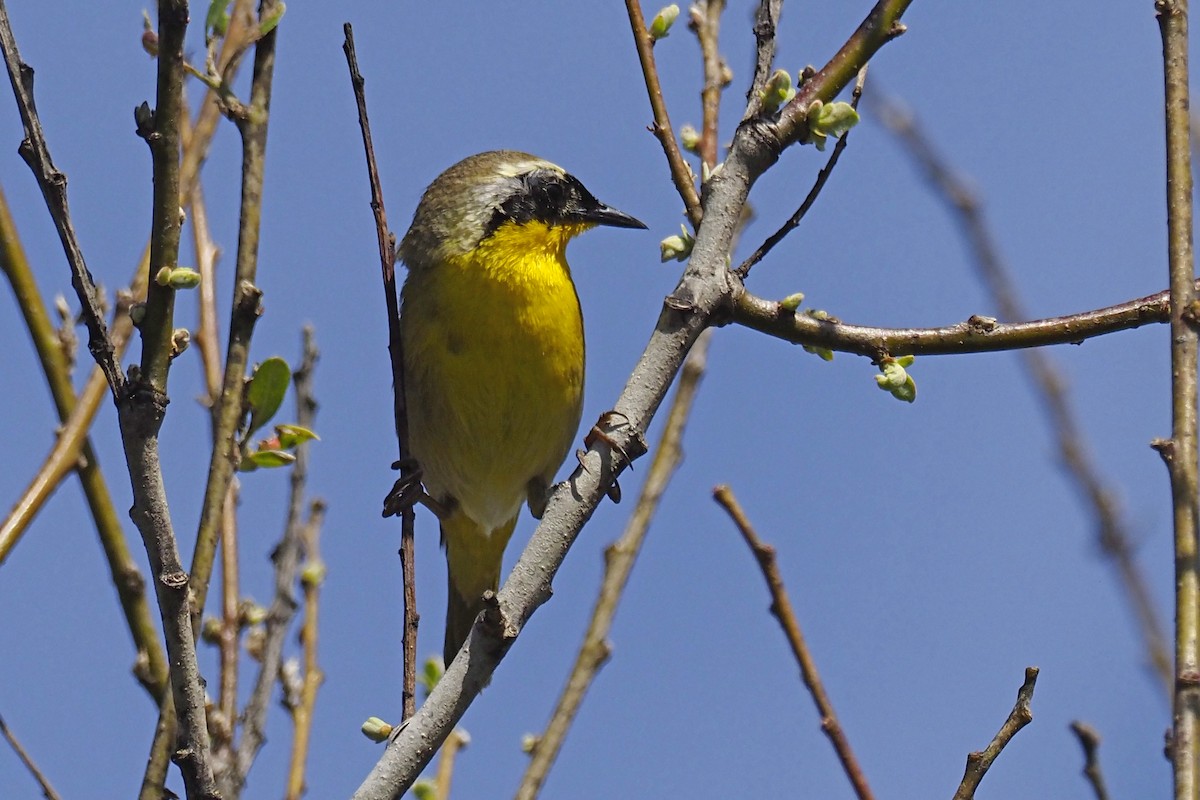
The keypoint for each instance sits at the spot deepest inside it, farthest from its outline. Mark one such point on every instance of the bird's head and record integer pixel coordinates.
(499, 191)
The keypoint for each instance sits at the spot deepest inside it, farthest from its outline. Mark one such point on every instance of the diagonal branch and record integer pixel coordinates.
(980, 761)
(661, 128)
(54, 189)
(781, 608)
(1112, 529)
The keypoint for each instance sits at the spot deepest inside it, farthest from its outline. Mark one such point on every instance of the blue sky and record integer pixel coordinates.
(933, 551)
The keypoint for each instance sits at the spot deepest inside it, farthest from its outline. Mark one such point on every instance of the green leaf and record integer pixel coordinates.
(292, 435)
(267, 388)
(271, 458)
(217, 18)
(267, 24)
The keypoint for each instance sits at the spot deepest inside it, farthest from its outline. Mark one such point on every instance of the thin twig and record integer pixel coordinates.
(881, 26)
(661, 128)
(758, 255)
(1180, 452)
(286, 558)
(302, 714)
(456, 741)
(977, 335)
(766, 21)
(781, 609)
(619, 559)
(1112, 529)
(1089, 740)
(387, 261)
(246, 309)
(42, 781)
(706, 23)
(980, 761)
(36, 153)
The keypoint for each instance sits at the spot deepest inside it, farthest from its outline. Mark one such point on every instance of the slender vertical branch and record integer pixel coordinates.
(781, 609)
(246, 310)
(387, 261)
(706, 22)
(302, 714)
(1089, 740)
(661, 128)
(766, 21)
(286, 558)
(1180, 453)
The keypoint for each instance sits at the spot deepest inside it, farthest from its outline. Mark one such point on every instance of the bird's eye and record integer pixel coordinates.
(548, 191)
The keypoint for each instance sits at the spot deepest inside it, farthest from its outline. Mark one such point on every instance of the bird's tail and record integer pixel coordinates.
(473, 558)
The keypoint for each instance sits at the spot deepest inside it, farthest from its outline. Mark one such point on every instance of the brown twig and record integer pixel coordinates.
(1089, 740)
(387, 260)
(246, 309)
(619, 559)
(705, 22)
(1112, 529)
(976, 335)
(758, 255)
(286, 558)
(766, 20)
(456, 741)
(42, 781)
(661, 128)
(36, 153)
(980, 761)
(781, 609)
(311, 578)
(1180, 453)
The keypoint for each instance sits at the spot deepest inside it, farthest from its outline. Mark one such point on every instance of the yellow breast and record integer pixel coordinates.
(494, 363)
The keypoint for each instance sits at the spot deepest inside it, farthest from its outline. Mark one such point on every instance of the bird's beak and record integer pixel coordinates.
(605, 215)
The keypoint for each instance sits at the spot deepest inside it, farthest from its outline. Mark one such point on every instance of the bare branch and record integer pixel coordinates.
(1089, 740)
(980, 761)
(766, 21)
(42, 781)
(781, 609)
(758, 255)
(54, 189)
(661, 128)
(387, 260)
(1180, 453)
(245, 312)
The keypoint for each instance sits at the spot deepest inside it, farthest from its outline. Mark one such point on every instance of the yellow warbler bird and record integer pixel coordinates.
(493, 353)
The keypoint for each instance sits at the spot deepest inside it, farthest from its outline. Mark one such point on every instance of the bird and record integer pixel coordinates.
(493, 354)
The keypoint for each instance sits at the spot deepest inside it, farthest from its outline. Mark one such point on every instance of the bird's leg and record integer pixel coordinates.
(609, 420)
(407, 491)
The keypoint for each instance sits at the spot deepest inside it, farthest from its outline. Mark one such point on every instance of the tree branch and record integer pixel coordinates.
(36, 153)
(1089, 740)
(387, 262)
(979, 762)
(661, 128)
(42, 781)
(781, 609)
(1180, 453)
(976, 335)
(246, 310)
